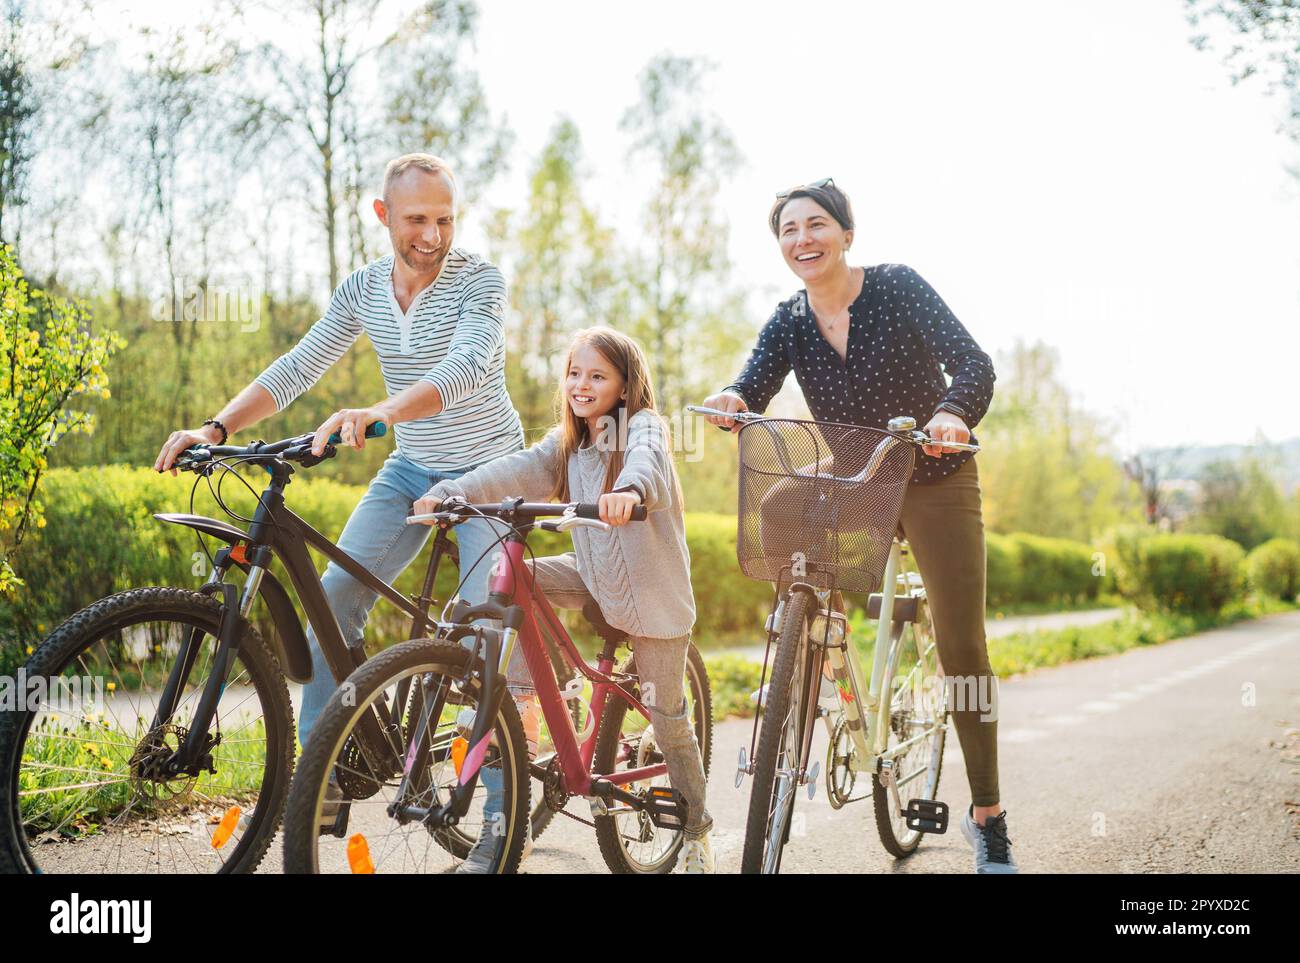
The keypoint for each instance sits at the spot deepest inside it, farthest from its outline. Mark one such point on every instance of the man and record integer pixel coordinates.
(435, 316)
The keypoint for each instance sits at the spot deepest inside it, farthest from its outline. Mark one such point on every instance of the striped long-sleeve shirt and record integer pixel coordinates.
(452, 336)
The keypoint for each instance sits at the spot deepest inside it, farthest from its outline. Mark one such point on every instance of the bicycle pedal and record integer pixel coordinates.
(927, 815)
(666, 807)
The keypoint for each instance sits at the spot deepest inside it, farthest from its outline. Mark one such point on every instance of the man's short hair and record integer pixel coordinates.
(424, 162)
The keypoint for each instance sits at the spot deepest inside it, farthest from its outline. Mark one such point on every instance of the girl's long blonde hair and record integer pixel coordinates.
(625, 354)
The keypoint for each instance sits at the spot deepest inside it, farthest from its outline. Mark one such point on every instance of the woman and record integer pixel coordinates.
(866, 345)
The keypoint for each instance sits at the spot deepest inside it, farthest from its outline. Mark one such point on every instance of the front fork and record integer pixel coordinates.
(195, 755)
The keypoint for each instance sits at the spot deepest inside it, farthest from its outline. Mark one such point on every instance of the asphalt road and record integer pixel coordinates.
(1182, 757)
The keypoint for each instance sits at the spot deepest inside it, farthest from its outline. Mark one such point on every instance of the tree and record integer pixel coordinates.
(434, 102)
(47, 356)
(688, 307)
(559, 255)
(1149, 471)
(171, 105)
(1241, 500)
(1264, 39)
(319, 104)
(1047, 466)
(17, 112)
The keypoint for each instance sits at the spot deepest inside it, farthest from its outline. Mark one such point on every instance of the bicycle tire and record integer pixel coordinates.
(350, 702)
(86, 629)
(608, 834)
(782, 700)
(903, 844)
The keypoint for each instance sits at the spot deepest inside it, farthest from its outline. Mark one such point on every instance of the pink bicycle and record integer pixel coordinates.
(412, 801)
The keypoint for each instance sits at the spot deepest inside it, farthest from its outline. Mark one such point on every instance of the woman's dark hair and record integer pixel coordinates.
(830, 197)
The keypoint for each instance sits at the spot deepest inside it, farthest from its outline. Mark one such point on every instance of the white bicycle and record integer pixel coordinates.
(819, 514)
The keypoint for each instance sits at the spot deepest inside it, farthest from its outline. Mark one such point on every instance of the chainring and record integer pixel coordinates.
(840, 775)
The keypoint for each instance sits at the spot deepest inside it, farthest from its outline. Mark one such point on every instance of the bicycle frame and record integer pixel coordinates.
(513, 582)
(864, 708)
(276, 531)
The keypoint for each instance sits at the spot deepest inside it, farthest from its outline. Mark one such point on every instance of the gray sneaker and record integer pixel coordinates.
(490, 838)
(991, 844)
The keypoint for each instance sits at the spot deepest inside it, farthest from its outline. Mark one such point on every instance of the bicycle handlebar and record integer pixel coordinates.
(915, 436)
(520, 510)
(297, 448)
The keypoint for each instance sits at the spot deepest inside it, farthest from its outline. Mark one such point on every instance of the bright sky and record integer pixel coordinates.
(1072, 172)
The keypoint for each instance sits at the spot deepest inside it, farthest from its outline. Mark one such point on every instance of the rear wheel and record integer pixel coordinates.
(918, 712)
(629, 841)
(86, 789)
(771, 802)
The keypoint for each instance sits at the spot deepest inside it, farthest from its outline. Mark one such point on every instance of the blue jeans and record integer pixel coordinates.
(378, 537)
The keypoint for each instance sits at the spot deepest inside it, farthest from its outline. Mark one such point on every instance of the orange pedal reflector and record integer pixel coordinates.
(359, 855)
(224, 828)
(459, 749)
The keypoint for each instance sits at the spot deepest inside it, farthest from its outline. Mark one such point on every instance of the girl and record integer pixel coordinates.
(610, 447)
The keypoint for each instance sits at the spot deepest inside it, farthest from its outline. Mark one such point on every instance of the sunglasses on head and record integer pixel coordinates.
(815, 185)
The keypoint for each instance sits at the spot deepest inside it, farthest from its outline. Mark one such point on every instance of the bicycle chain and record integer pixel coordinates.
(590, 822)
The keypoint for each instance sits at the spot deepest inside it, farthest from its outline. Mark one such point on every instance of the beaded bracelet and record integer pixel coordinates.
(224, 434)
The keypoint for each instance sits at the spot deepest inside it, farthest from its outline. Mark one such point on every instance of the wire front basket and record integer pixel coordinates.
(819, 502)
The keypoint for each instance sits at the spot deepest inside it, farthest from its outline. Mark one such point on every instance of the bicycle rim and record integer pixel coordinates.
(381, 832)
(918, 708)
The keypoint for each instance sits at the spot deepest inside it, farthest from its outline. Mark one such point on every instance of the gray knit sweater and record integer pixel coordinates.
(639, 573)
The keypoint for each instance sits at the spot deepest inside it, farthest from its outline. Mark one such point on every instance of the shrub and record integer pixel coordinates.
(1273, 568)
(1003, 585)
(1054, 569)
(1185, 573)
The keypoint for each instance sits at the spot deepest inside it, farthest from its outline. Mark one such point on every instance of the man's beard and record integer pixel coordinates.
(425, 262)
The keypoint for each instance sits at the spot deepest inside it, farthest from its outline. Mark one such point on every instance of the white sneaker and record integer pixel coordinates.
(697, 856)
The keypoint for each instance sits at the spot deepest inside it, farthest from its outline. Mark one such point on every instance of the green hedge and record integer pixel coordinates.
(100, 538)
(1273, 568)
(1034, 568)
(1003, 584)
(1181, 573)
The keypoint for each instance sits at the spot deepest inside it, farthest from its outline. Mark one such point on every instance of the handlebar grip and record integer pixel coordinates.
(592, 510)
(374, 430)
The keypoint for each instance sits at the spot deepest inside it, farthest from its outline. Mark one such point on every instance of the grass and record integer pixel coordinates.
(734, 678)
(1024, 651)
(75, 778)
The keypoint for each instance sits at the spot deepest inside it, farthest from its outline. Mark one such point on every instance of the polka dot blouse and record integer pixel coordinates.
(900, 334)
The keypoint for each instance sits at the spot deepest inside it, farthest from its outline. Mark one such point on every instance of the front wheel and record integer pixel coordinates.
(379, 817)
(86, 784)
(780, 741)
(629, 841)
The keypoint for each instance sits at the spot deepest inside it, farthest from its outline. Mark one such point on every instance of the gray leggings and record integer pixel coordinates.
(661, 667)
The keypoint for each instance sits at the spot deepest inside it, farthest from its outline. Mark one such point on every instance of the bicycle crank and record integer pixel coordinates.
(922, 815)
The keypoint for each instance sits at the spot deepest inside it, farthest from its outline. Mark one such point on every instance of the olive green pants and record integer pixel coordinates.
(944, 525)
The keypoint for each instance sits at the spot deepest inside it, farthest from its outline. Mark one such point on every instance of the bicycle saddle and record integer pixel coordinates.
(591, 612)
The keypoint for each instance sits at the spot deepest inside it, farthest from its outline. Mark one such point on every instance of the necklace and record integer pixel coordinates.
(832, 320)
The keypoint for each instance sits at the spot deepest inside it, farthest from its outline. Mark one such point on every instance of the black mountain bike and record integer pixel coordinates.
(181, 759)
